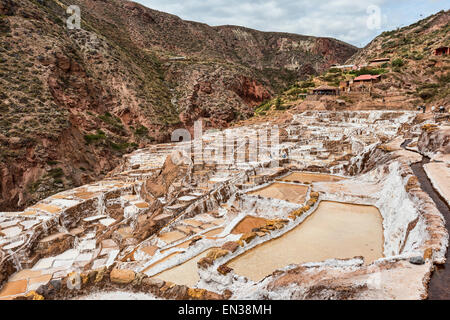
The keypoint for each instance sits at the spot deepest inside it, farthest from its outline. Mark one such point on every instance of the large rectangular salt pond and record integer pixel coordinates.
(334, 230)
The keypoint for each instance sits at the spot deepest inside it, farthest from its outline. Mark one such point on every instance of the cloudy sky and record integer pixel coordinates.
(353, 21)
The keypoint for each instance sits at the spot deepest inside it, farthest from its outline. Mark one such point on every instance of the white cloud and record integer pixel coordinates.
(342, 19)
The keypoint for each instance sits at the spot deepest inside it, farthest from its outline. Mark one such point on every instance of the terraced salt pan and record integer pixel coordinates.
(168, 257)
(213, 233)
(185, 273)
(172, 236)
(306, 177)
(334, 231)
(439, 174)
(248, 224)
(283, 191)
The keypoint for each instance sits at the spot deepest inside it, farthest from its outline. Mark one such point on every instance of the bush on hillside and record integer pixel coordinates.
(398, 63)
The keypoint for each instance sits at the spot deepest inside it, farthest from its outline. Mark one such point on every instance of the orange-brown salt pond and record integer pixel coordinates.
(334, 230)
(248, 224)
(283, 191)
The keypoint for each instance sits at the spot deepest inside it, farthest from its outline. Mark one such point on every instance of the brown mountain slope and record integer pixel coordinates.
(73, 102)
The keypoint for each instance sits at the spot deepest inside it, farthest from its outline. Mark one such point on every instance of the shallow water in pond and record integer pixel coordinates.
(185, 273)
(306, 177)
(334, 230)
(283, 191)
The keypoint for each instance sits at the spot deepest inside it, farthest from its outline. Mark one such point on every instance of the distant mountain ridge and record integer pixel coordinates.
(74, 101)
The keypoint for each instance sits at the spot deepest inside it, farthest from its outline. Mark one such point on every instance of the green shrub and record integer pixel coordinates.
(307, 84)
(388, 33)
(111, 120)
(295, 91)
(265, 106)
(372, 72)
(444, 79)
(141, 131)
(278, 104)
(56, 173)
(334, 70)
(121, 146)
(89, 138)
(427, 94)
(389, 44)
(398, 63)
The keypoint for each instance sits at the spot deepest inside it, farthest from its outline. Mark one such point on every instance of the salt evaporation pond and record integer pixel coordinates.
(334, 230)
(185, 273)
(306, 177)
(283, 191)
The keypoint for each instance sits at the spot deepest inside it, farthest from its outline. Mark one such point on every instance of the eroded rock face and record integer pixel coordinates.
(6, 268)
(252, 92)
(54, 244)
(174, 170)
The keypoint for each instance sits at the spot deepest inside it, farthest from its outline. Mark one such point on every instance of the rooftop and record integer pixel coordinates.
(366, 77)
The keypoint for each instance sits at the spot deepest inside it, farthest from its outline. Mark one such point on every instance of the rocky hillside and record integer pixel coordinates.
(73, 102)
(414, 69)
(413, 76)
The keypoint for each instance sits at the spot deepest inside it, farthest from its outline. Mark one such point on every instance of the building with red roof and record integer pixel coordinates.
(364, 82)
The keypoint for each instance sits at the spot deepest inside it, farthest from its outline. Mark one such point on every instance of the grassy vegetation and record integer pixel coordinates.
(295, 91)
(52, 162)
(56, 173)
(278, 104)
(307, 84)
(112, 121)
(90, 138)
(398, 63)
(141, 131)
(371, 71)
(264, 107)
